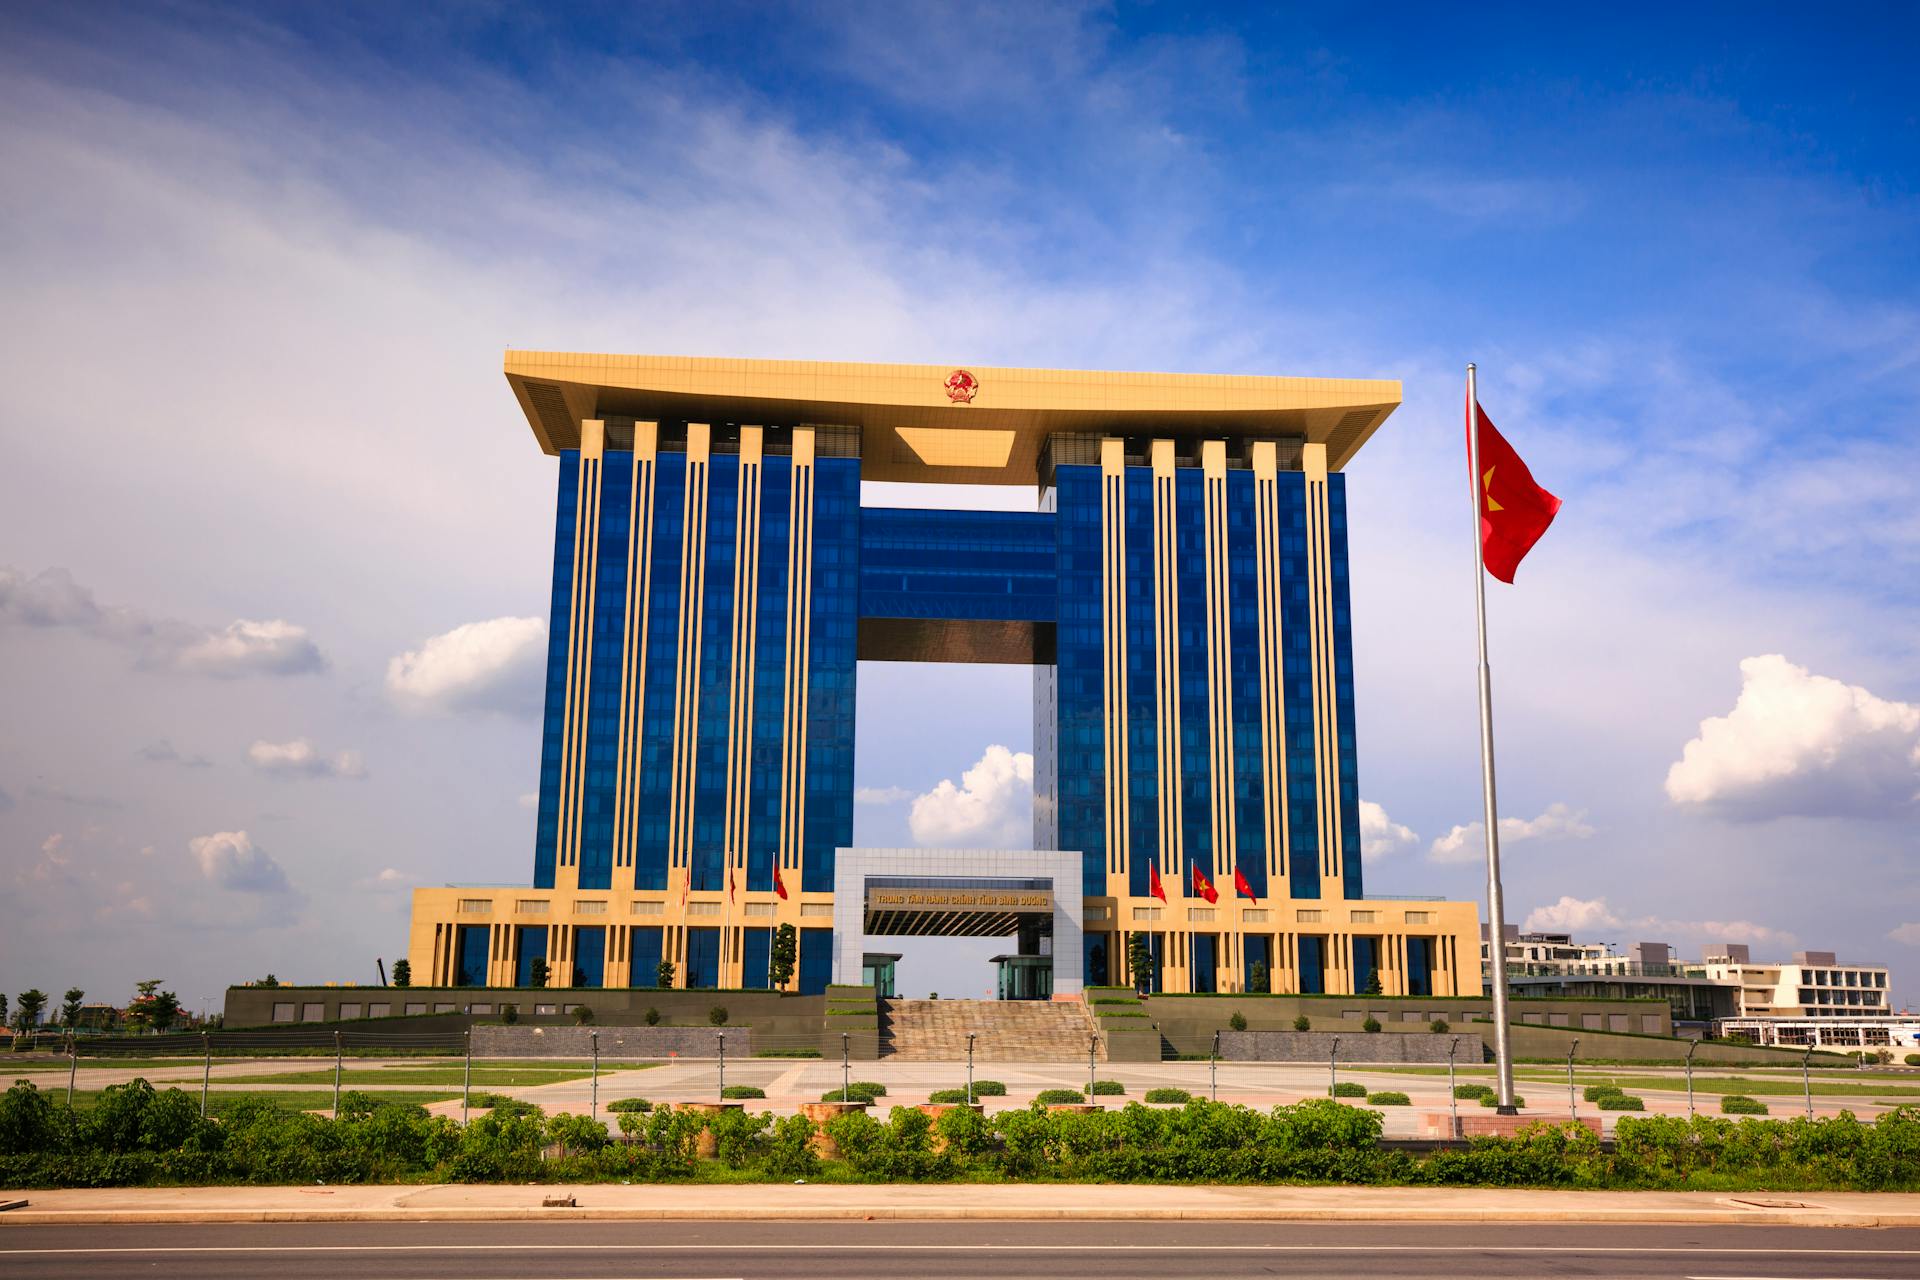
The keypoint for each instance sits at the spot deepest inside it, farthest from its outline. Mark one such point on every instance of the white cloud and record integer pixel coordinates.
(1798, 743)
(230, 860)
(494, 665)
(274, 647)
(1571, 915)
(880, 795)
(528, 800)
(1579, 916)
(1380, 835)
(1908, 934)
(991, 808)
(1469, 843)
(52, 598)
(299, 759)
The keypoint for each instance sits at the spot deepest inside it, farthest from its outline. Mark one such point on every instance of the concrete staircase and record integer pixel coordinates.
(1003, 1030)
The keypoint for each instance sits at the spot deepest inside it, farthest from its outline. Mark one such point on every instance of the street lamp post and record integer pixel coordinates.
(723, 1064)
(1806, 1079)
(466, 1079)
(1333, 1056)
(1573, 1109)
(1213, 1068)
(1692, 1047)
(846, 1070)
(593, 1107)
(970, 1068)
(336, 1075)
(1093, 1046)
(1453, 1099)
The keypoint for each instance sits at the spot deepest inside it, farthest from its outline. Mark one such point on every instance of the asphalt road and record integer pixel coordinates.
(885, 1250)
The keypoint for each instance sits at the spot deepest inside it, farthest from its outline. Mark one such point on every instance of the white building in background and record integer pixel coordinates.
(1813, 985)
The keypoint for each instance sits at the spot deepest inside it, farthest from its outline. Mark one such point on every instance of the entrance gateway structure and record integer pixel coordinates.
(1180, 592)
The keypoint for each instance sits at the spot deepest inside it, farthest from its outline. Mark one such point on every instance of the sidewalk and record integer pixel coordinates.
(1004, 1202)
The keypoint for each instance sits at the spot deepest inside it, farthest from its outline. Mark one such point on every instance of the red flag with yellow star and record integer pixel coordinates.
(1514, 511)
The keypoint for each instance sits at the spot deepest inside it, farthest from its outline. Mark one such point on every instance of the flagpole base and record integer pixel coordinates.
(1506, 1111)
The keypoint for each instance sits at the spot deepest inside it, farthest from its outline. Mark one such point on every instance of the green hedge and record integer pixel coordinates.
(135, 1135)
(1059, 1097)
(989, 1089)
(1108, 1088)
(856, 1091)
(1389, 1098)
(1739, 1104)
(640, 1105)
(1349, 1089)
(1492, 1099)
(1168, 1095)
(1595, 1092)
(948, 1095)
(743, 1091)
(1619, 1102)
(1473, 1091)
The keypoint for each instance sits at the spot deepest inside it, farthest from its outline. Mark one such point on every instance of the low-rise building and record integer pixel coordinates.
(1813, 985)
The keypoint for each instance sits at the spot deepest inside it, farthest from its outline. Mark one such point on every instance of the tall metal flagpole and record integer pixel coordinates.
(1496, 912)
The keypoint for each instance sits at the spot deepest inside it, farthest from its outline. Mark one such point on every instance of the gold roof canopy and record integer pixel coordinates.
(914, 427)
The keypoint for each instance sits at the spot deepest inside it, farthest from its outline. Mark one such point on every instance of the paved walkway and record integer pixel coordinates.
(1001, 1202)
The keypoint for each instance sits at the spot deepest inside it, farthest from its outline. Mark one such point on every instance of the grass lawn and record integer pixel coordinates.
(1747, 1085)
(303, 1100)
(483, 1077)
(96, 1064)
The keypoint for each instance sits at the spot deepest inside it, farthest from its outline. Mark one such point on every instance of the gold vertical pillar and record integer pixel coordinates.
(1220, 770)
(793, 711)
(633, 653)
(1166, 657)
(573, 732)
(1113, 685)
(1273, 731)
(1326, 721)
(686, 702)
(746, 597)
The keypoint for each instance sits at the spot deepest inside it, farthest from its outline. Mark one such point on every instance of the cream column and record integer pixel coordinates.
(1273, 732)
(1326, 722)
(1166, 658)
(1113, 685)
(633, 654)
(793, 710)
(1220, 768)
(686, 703)
(573, 733)
(746, 597)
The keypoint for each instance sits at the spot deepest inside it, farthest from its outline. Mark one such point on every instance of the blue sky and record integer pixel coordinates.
(262, 263)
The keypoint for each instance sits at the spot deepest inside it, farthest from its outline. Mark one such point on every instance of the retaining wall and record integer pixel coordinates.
(615, 1042)
(1317, 1046)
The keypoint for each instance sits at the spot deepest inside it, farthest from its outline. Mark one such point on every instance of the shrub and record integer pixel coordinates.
(989, 1089)
(1473, 1091)
(947, 1096)
(638, 1105)
(743, 1091)
(1619, 1102)
(651, 1017)
(1439, 1026)
(1107, 1088)
(1348, 1089)
(1303, 1023)
(501, 1105)
(1492, 1099)
(858, 1091)
(1371, 1024)
(1129, 1001)
(582, 1015)
(790, 1151)
(509, 1013)
(1738, 1104)
(1595, 1092)
(576, 1134)
(1389, 1098)
(1059, 1097)
(1913, 1059)
(717, 1015)
(1168, 1095)
(738, 1136)
(1238, 1022)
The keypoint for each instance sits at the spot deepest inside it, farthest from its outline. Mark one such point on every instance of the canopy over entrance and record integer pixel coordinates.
(1030, 895)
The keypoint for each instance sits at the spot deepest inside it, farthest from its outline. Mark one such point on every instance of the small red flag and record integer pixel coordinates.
(1514, 511)
(1240, 883)
(1154, 886)
(779, 885)
(729, 886)
(1203, 886)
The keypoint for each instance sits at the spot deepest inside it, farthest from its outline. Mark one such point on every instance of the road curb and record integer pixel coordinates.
(935, 1213)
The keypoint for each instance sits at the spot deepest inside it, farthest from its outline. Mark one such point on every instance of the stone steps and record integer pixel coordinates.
(1003, 1030)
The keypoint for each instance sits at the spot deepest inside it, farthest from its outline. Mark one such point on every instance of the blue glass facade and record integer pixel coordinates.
(693, 570)
(470, 956)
